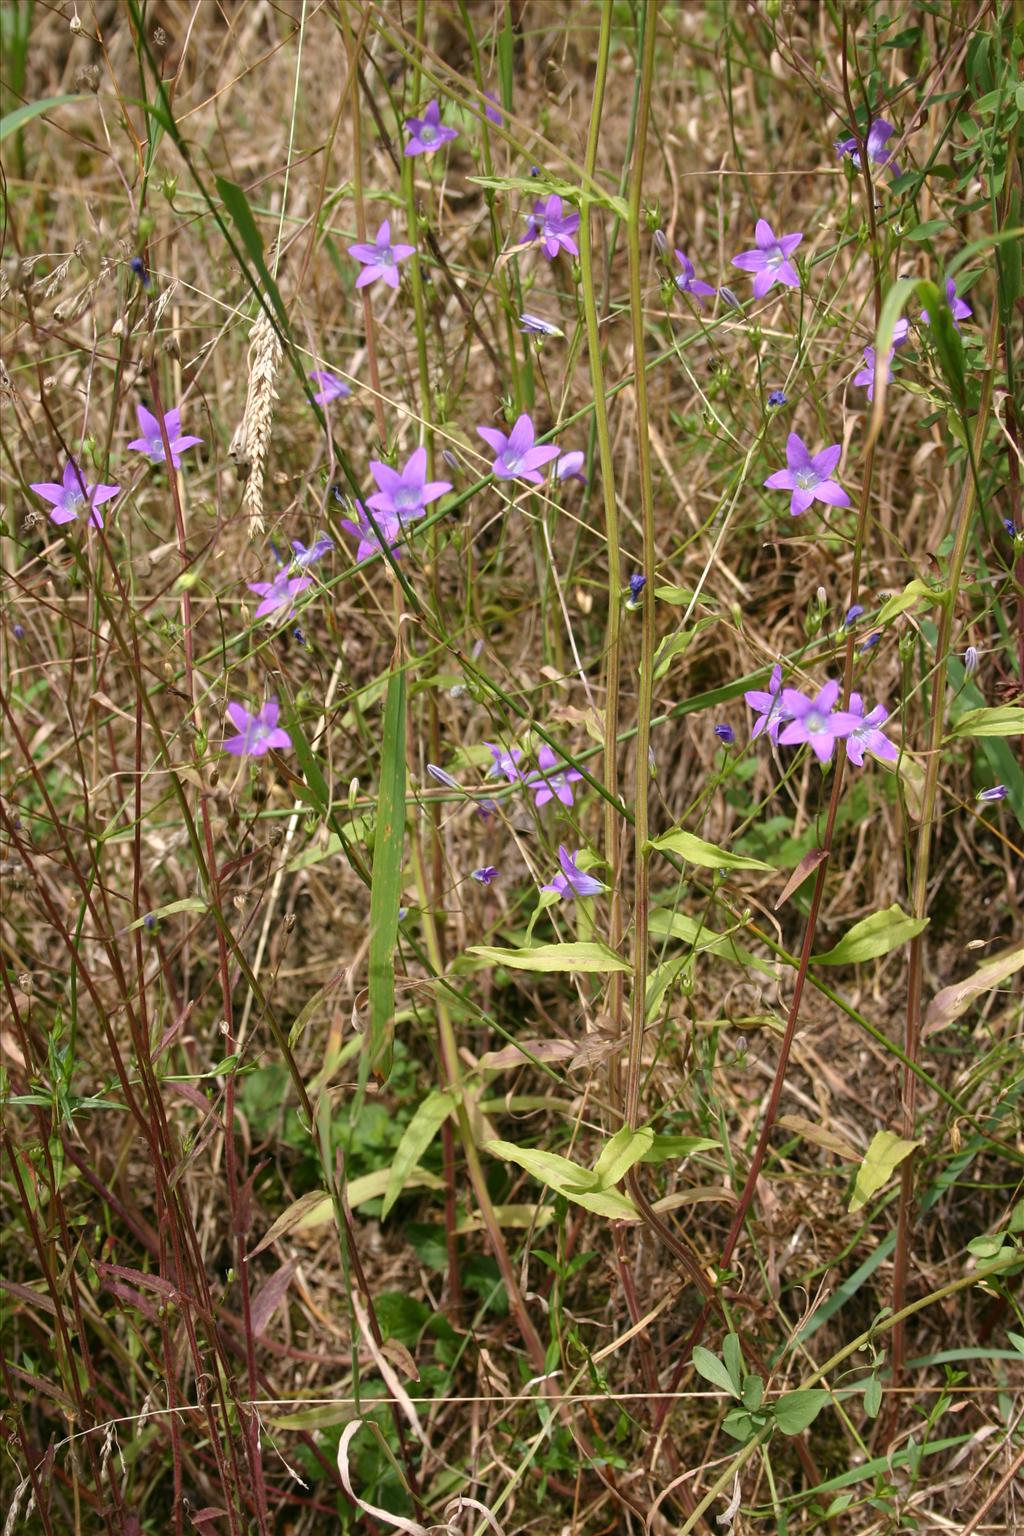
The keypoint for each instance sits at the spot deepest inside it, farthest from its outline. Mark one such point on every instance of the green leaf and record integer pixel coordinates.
(876, 935)
(1003, 720)
(664, 1147)
(927, 230)
(732, 1354)
(738, 1424)
(872, 1397)
(416, 1138)
(619, 1155)
(753, 1393)
(566, 1178)
(552, 957)
(12, 121)
(951, 1002)
(794, 1411)
(914, 592)
(237, 205)
(714, 1370)
(883, 1157)
(679, 925)
(386, 885)
(706, 855)
(186, 904)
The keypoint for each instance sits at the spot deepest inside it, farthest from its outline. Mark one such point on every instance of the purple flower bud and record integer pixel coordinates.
(729, 297)
(777, 398)
(485, 875)
(149, 922)
(442, 777)
(637, 582)
(449, 458)
(970, 661)
(872, 640)
(487, 810)
(725, 733)
(19, 631)
(1011, 529)
(997, 792)
(661, 242)
(852, 615)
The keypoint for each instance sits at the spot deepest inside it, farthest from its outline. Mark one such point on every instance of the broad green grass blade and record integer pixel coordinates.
(386, 887)
(237, 205)
(22, 115)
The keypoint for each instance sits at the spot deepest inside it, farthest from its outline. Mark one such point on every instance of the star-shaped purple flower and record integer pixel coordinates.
(816, 721)
(331, 387)
(809, 477)
(553, 228)
(73, 494)
(428, 133)
(280, 594)
(548, 785)
(768, 705)
(370, 543)
(485, 875)
(769, 260)
(572, 881)
(687, 282)
(960, 307)
(151, 442)
(879, 135)
(257, 733)
(517, 457)
(866, 376)
(380, 260)
(868, 736)
(405, 493)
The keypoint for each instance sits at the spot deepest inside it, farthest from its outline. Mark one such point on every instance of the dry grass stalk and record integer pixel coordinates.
(252, 436)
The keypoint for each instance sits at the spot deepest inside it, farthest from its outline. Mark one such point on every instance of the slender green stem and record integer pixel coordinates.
(613, 623)
(641, 888)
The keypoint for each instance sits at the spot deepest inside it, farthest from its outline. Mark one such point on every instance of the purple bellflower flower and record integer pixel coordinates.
(769, 260)
(777, 399)
(900, 331)
(853, 613)
(305, 557)
(687, 282)
(257, 733)
(331, 387)
(866, 376)
(987, 796)
(879, 135)
(486, 875)
(370, 541)
(380, 260)
(151, 442)
(816, 721)
(570, 467)
(73, 495)
(279, 595)
(868, 735)
(405, 493)
(809, 477)
(517, 458)
(506, 761)
(768, 706)
(572, 881)
(960, 307)
(553, 228)
(493, 112)
(552, 786)
(428, 133)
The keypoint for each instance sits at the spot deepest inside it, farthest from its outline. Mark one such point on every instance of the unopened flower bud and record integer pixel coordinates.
(970, 661)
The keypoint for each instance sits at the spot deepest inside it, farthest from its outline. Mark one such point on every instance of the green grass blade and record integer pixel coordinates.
(386, 888)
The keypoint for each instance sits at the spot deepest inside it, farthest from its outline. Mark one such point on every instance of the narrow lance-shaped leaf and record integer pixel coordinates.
(706, 855)
(873, 936)
(553, 957)
(416, 1138)
(386, 884)
(883, 1157)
